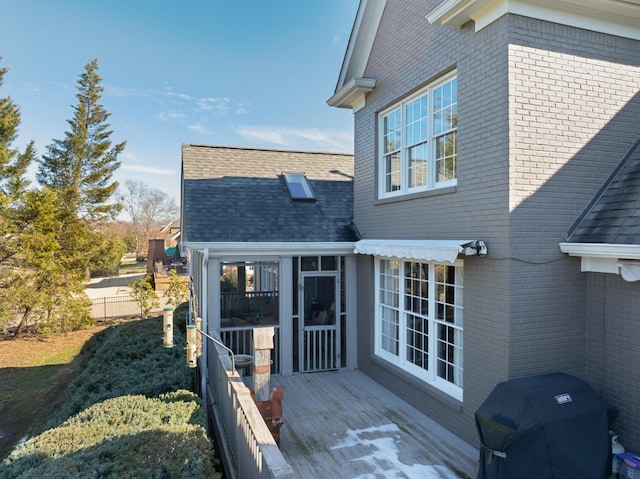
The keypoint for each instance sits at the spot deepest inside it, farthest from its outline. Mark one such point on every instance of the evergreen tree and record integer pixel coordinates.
(13, 167)
(42, 290)
(34, 286)
(80, 167)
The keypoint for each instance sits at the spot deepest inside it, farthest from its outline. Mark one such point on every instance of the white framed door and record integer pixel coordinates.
(319, 338)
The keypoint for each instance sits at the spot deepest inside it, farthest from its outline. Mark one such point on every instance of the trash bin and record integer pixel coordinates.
(552, 426)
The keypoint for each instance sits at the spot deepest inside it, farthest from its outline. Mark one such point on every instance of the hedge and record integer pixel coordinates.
(128, 414)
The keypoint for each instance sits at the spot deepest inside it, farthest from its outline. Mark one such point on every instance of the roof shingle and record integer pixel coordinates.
(613, 217)
(238, 195)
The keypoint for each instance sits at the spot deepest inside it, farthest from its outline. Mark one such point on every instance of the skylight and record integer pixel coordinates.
(299, 188)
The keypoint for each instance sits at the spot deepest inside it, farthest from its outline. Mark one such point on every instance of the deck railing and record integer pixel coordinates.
(245, 442)
(240, 340)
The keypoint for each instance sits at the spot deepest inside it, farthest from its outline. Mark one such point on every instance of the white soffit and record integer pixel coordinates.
(601, 257)
(427, 250)
(353, 94)
(614, 17)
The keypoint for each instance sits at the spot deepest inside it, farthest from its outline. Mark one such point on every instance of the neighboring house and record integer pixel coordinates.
(499, 121)
(269, 239)
(171, 232)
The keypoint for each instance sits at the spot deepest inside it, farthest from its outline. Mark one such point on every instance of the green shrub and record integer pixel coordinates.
(127, 359)
(128, 436)
(143, 293)
(128, 414)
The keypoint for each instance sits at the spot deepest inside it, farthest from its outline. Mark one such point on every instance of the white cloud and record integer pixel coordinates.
(199, 128)
(183, 102)
(133, 163)
(171, 116)
(148, 169)
(299, 138)
(30, 89)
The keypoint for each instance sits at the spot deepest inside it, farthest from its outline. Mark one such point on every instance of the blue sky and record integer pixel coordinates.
(250, 73)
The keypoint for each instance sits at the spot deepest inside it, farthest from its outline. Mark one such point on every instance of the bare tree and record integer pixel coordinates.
(149, 208)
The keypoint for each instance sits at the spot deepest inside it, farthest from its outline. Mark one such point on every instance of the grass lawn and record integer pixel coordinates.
(33, 372)
(131, 268)
(108, 402)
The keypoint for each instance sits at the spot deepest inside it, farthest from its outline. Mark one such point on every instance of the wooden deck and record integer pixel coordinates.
(342, 424)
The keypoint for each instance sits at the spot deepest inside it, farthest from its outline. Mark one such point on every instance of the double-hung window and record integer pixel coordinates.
(419, 320)
(418, 136)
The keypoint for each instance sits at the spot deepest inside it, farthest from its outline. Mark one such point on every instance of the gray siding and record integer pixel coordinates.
(542, 122)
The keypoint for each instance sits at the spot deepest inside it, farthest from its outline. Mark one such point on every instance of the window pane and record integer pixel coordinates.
(299, 188)
(392, 172)
(446, 157)
(445, 107)
(450, 354)
(418, 165)
(389, 282)
(392, 131)
(416, 118)
(418, 341)
(416, 286)
(448, 307)
(389, 339)
(389, 315)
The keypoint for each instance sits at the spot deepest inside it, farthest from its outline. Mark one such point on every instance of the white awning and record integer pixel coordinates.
(427, 250)
(630, 271)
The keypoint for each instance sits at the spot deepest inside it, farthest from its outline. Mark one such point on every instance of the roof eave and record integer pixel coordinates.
(614, 17)
(282, 248)
(601, 257)
(360, 43)
(353, 94)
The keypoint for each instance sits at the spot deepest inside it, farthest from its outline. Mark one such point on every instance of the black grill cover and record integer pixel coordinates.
(552, 426)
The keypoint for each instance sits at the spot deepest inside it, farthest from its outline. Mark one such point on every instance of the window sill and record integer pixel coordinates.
(432, 391)
(413, 196)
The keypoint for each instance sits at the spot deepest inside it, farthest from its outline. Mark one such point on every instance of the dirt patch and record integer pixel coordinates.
(16, 419)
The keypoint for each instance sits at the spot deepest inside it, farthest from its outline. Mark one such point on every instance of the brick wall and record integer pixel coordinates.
(545, 113)
(613, 344)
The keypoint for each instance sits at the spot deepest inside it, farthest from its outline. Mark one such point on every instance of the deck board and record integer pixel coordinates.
(342, 424)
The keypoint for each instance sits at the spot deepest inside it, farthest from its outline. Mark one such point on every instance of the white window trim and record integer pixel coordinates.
(429, 376)
(404, 169)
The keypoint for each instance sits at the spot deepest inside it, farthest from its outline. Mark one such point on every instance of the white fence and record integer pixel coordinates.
(244, 440)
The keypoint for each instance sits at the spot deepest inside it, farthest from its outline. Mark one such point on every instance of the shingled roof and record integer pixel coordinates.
(238, 195)
(613, 217)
